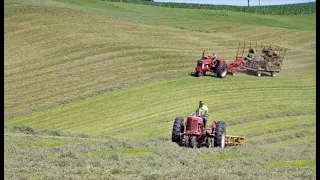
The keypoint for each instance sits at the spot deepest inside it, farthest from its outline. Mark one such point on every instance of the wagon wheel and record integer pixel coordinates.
(273, 74)
(258, 73)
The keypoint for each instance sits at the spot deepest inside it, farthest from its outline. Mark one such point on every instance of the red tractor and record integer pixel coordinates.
(217, 65)
(191, 133)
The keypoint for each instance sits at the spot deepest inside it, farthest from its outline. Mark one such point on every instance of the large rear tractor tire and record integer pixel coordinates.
(220, 135)
(177, 130)
(222, 70)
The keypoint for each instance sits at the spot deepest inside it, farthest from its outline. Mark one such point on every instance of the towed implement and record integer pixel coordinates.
(262, 57)
(192, 133)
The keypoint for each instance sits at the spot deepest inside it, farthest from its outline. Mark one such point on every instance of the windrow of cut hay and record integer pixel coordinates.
(57, 157)
(99, 115)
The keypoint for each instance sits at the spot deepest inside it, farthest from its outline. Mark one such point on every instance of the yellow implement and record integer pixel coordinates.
(234, 140)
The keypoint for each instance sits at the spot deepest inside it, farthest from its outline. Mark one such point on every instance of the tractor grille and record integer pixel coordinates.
(192, 125)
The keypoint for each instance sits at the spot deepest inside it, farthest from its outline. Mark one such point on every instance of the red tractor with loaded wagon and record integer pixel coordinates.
(261, 57)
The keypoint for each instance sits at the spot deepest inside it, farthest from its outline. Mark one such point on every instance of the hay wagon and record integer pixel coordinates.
(261, 57)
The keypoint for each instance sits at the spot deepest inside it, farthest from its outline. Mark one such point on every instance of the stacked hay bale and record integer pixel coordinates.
(270, 59)
(266, 58)
(253, 58)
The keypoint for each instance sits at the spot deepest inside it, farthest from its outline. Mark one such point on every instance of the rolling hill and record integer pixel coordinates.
(91, 89)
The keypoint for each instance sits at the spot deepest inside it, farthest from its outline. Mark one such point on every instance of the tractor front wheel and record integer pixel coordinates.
(199, 73)
(186, 141)
(211, 142)
(207, 144)
(220, 135)
(193, 142)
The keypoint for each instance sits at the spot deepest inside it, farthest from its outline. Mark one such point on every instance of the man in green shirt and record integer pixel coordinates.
(203, 111)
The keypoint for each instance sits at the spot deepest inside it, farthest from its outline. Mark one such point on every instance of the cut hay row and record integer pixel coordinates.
(161, 129)
(273, 123)
(287, 129)
(258, 112)
(292, 142)
(293, 39)
(142, 127)
(293, 163)
(127, 157)
(281, 138)
(103, 116)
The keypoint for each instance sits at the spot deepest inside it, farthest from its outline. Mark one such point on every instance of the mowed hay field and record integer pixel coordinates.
(91, 90)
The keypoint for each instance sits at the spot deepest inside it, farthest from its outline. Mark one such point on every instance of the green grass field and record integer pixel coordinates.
(91, 90)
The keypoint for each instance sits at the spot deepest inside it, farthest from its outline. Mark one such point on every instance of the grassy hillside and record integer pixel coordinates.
(56, 48)
(91, 89)
(288, 9)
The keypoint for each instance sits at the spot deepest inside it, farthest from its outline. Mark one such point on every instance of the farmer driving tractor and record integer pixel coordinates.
(214, 58)
(203, 111)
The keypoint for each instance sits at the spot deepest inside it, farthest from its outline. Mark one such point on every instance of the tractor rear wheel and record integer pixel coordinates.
(220, 135)
(222, 70)
(177, 130)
